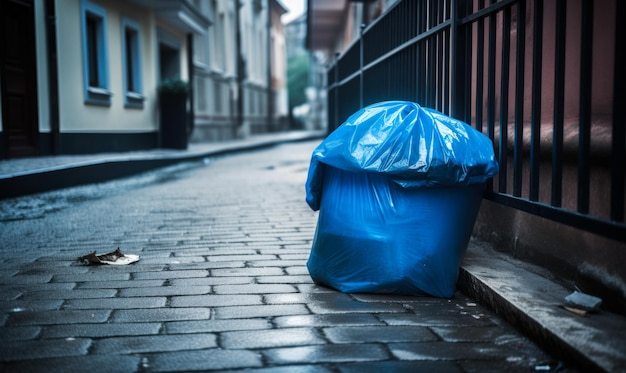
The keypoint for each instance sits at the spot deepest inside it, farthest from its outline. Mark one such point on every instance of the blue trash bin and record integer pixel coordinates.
(398, 188)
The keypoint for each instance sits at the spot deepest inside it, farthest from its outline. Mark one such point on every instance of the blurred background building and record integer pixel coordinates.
(333, 25)
(329, 27)
(306, 77)
(82, 76)
(240, 70)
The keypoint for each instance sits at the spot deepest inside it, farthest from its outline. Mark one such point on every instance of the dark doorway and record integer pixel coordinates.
(169, 61)
(18, 69)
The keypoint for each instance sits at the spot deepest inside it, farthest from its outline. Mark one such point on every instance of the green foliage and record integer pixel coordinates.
(173, 86)
(297, 78)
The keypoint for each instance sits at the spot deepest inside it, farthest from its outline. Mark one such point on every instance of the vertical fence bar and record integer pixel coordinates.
(618, 151)
(445, 62)
(480, 67)
(431, 13)
(419, 82)
(440, 66)
(535, 131)
(467, 33)
(330, 112)
(412, 62)
(421, 17)
(491, 82)
(446, 72)
(520, 55)
(417, 64)
(404, 62)
(337, 85)
(440, 58)
(440, 9)
(559, 103)
(431, 77)
(457, 52)
(504, 99)
(395, 85)
(432, 59)
(361, 42)
(412, 16)
(491, 77)
(584, 141)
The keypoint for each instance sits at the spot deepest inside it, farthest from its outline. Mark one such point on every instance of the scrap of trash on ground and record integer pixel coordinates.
(115, 258)
(581, 303)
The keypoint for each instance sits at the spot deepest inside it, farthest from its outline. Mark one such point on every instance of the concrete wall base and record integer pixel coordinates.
(575, 258)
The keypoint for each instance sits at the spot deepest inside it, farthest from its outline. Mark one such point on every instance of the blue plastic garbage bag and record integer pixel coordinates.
(398, 187)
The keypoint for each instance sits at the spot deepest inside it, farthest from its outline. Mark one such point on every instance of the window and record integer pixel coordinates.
(95, 59)
(131, 62)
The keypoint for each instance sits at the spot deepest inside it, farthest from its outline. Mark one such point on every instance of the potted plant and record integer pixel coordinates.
(173, 96)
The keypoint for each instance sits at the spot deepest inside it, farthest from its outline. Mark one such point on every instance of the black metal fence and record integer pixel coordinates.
(541, 78)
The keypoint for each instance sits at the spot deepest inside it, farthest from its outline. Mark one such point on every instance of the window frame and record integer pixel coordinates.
(133, 98)
(98, 94)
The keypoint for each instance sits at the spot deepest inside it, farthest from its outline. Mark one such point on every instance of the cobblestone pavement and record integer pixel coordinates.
(221, 284)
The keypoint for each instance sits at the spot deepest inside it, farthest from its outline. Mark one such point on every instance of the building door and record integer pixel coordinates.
(168, 56)
(169, 62)
(18, 75)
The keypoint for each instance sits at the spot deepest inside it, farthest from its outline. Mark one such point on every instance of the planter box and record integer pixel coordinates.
(173, 119)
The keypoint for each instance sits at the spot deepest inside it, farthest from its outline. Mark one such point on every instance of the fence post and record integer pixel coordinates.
(361, 65)
(457, 68)
(337, 85)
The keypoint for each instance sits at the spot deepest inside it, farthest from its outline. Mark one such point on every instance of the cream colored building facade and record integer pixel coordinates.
(83, 76)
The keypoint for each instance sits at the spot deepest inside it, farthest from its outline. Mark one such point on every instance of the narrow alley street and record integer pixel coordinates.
(221, 284)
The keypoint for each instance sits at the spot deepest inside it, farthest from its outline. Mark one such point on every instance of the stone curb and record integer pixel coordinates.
(527, 298)
(110, 168)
